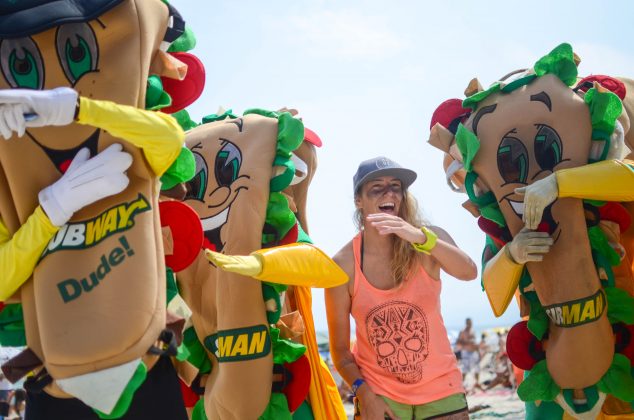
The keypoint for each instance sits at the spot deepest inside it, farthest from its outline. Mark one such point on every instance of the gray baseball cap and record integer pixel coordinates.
(381, 166)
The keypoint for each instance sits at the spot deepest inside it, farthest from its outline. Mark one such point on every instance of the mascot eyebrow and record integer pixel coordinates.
(543, 98)
(481, 113)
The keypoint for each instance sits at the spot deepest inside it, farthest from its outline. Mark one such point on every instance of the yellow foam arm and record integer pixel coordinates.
(20, 253)
(500, 278)
(610, 180)
(157, 134)
(299, 265)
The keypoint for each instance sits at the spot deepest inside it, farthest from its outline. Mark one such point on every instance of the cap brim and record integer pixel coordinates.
(38, 16)
(407, 176)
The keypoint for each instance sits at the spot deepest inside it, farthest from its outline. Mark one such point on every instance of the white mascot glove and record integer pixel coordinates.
(528, 246)
(52, 107)
(85, 182)
(12, 119)
(537, 197)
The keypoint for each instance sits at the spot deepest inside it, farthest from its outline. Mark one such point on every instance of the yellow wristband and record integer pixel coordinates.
(429, 244)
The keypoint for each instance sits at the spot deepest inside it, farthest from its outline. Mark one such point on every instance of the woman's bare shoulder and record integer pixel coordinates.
(345, 259)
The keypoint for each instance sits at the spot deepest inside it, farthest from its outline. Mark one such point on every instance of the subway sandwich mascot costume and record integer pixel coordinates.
(249, 291)
(81, 241)
(540, 154)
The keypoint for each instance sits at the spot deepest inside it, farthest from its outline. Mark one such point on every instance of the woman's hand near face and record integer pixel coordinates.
(387, 224)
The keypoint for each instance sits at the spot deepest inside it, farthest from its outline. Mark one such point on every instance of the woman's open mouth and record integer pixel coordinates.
(387, 207)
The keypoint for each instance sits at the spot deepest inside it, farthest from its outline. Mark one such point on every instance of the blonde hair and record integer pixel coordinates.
(404, 257)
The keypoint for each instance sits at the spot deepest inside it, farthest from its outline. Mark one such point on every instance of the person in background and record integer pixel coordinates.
(469, 353)
(6, 391)
(483, 347)
(403, 366)
(19, 405)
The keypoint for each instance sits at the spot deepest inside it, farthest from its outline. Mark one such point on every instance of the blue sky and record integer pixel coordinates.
(367, 76)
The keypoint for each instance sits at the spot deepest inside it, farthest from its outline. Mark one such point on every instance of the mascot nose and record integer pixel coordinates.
(218, 197)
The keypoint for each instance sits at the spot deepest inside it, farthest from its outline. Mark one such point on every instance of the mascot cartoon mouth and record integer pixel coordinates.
(63, 158)
(211, 228)
(547, 224)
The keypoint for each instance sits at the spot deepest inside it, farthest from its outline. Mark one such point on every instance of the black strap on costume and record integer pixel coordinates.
(623, 337)
(583, 86)
(176, 27)
(269, 229)
(169, 347)
(36, 384)
(286, 377)
(197, 386)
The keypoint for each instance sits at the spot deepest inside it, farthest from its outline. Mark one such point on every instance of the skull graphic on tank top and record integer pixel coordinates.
(399, 333)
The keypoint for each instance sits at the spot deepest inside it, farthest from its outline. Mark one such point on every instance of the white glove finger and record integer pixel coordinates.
(114, 147)
(4, 126)
(98, 165)
(535, 234)
(118, 183)
(534, 257)
(521, 190)
(18, 117)
(530, 219)
(542, 240)
(9, 117)
(100, 188)
(89, 172)
(15, 96)
(534, 249)
(542, 243)
(80, 159)
(526, 218)
(105, 155)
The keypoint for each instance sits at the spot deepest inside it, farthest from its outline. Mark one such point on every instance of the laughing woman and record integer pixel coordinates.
(402, 366)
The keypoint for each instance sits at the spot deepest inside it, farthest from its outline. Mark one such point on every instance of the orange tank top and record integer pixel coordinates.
(402, 348)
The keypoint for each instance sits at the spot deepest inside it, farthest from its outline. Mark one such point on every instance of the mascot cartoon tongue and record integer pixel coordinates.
(539, 160)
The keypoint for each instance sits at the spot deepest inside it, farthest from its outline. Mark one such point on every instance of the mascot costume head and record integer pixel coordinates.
(96, 299)
(250, 191)
(539, 126)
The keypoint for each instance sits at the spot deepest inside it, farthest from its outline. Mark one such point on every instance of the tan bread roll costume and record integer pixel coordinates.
(242, 166)
(561, 140)
(95, 303)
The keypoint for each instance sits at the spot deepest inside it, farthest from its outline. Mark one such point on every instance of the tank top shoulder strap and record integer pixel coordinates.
(356, 250)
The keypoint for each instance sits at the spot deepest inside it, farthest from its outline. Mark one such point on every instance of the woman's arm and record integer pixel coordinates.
(452, 259)
(338, 308)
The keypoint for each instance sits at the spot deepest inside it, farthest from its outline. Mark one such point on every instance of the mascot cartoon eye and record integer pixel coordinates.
(77, 50)
(548, 147)
(22, 64)
(227, 165)
(512, 160)
(197, 186)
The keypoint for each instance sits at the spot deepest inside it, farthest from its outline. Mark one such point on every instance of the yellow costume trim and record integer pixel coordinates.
(611, 180)
(19, 254)
(323, 393)
(157, 134)
(429, 244)
(500, 279)
(299, 265)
